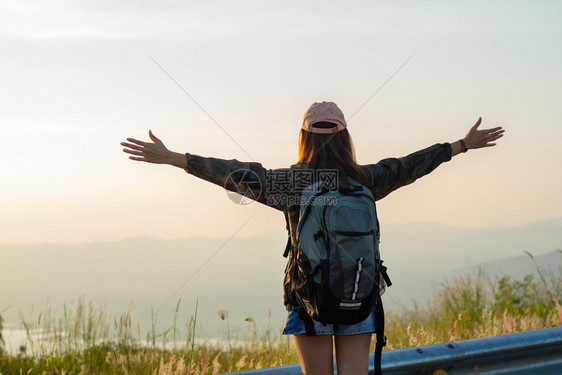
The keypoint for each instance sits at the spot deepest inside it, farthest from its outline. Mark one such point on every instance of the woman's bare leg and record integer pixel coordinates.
(352, 353)
(315, 354)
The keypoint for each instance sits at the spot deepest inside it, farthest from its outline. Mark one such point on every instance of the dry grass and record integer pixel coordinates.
(84, 340)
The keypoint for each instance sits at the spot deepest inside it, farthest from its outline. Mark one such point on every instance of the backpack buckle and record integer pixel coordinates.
(381, 341)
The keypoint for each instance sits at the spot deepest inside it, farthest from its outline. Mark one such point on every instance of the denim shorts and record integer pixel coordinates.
(295, 326)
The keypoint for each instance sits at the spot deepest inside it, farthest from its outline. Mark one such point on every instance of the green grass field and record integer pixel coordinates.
(87, 341)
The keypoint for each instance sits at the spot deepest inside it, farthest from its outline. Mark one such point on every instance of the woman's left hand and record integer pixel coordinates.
(482, 138)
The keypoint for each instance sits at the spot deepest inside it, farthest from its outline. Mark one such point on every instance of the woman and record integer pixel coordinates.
(324, 144)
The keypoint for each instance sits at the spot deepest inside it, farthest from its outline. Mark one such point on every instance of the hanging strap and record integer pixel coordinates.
(288, 247)
(289, 239)
(309, 326)
(381, 338)
(385, 275)
(308, 323)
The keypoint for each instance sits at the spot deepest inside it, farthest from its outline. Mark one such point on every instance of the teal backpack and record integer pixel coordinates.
(337, 275)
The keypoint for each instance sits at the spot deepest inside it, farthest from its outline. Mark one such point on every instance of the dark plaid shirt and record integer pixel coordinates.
(277, 188)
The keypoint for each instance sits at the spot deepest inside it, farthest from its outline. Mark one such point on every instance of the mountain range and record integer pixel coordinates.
(243, 275)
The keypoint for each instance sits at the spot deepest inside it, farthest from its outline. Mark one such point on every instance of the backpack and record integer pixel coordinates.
(337, 275)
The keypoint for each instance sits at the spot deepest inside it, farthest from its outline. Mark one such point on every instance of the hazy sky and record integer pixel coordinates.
(77, 80)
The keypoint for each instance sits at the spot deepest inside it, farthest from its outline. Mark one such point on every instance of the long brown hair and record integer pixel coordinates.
(331, 151)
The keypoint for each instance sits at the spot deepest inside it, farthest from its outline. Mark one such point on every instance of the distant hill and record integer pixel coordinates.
(421, 287)
(420, 256)
(245, 274)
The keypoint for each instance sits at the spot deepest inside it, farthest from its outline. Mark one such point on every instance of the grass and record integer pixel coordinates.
(83, 339)
(473, 306)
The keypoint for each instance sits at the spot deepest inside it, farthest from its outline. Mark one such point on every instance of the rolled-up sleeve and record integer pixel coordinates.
(389, 174)
(249, 179)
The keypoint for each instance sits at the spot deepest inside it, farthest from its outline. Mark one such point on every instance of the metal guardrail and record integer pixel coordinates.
(529, 353)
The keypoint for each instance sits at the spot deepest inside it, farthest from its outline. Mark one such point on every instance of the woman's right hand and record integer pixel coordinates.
(153, 152)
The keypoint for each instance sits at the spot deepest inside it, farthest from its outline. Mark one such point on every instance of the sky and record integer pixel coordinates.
(78, 77)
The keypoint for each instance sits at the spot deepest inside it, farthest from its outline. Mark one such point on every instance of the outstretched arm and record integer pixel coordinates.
(390, 174)
(249, 179)
(477, 138)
